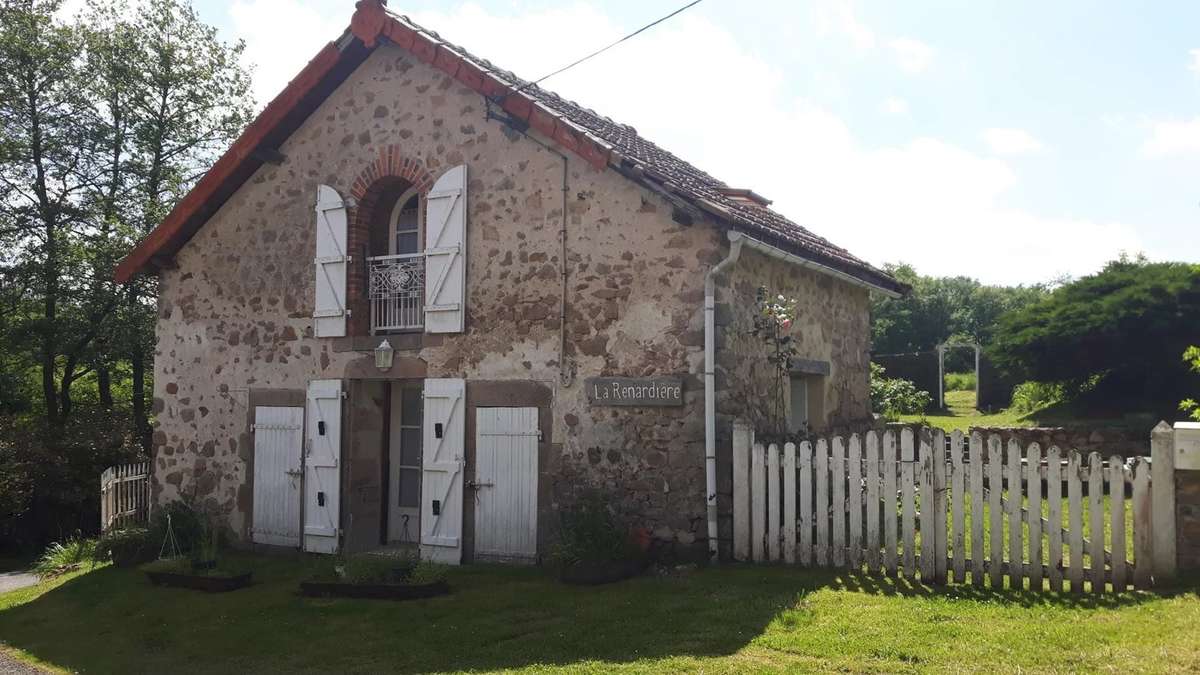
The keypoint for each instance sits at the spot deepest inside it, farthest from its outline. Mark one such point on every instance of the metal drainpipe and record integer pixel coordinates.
(566, 372)
(710, 389)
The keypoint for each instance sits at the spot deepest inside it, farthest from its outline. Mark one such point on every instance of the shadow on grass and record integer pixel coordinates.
(899, 586)
(113, 620)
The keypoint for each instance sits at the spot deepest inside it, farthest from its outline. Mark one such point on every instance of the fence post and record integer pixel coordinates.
(742, 439)
(1162, 491)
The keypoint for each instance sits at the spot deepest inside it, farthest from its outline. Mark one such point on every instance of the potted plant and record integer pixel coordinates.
(376, 576)
(595, 547)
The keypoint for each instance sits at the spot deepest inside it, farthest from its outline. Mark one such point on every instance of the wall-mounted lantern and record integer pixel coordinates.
(383, 355)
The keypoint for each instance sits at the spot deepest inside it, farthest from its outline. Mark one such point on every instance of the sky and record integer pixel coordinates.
(1010, 141)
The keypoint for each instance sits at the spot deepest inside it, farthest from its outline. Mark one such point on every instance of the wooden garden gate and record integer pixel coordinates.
(124, 496)
(941, 509)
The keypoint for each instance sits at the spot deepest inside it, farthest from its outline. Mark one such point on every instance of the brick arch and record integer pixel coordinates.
(390, 174)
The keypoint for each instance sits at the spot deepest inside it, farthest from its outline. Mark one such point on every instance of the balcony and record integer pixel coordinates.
(396, 292)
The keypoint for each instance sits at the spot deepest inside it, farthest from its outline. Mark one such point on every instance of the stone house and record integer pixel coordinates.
(421, 301)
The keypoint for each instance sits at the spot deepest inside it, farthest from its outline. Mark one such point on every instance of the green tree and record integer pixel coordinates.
(940, 308)
(106, 120)
(1113, 338)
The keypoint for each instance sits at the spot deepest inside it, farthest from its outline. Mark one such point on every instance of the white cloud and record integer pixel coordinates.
(1172, 137)
(895, 106)
(925, 201)
(279, 55)
(1012, 142)
(837, 17)
(913, 56)
(1194, 66)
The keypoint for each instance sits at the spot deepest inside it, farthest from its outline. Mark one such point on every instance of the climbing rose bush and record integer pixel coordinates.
(773, 319)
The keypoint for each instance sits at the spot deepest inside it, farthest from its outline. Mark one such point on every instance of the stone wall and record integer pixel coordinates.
(234, 314)
(1187, 519)
(832, 327)
(1106, 441)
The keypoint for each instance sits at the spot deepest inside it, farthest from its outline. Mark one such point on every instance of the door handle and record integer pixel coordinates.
(294, 473)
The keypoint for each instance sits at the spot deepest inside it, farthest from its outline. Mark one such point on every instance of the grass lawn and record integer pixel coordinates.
(960, 413)
(727, 619)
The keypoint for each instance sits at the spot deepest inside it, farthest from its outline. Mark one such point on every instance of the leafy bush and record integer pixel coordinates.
(1190, 405)
(892, 397)
(63, 557)
(125, 547)
(591, 533)
(960, 381)
(186, 522)
(1030, 396)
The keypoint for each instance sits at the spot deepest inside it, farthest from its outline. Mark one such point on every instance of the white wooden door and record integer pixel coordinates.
(323, 454)
(442, 460)
(278, 444)
(506, 468)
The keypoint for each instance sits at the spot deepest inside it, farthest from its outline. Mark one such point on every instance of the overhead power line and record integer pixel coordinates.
(608, 47)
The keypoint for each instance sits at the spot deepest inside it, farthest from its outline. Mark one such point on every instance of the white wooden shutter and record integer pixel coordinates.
(443, 459)
(322, 478)
(446, 253)
(332, 263)
(278, 444)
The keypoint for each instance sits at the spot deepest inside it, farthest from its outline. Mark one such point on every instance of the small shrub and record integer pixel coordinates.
(61, 557)
(427, 573)
(205, 550)
(186, 522)
(892, 397)
(369, 569)
(591, 533)
(960, 381)
(125, 547)
(1030, 396)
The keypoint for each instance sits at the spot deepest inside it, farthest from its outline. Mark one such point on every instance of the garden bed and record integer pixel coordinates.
(375, 577)
(210, 578)
(595, 574)
(209, 583)
(337, 589)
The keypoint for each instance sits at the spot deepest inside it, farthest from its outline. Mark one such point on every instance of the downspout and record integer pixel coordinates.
(710, 389)
(566, 372)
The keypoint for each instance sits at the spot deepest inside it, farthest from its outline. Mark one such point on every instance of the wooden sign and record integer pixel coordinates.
(635, 391)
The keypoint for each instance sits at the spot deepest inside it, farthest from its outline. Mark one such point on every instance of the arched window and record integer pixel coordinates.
(405, 231)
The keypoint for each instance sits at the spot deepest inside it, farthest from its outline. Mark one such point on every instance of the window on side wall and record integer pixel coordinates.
(798, 419)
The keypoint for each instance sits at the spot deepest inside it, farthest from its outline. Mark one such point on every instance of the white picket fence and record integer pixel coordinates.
(938, 510)
(124, 496)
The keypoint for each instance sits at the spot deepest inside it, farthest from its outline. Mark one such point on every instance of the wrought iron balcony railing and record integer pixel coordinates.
(396, 291)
